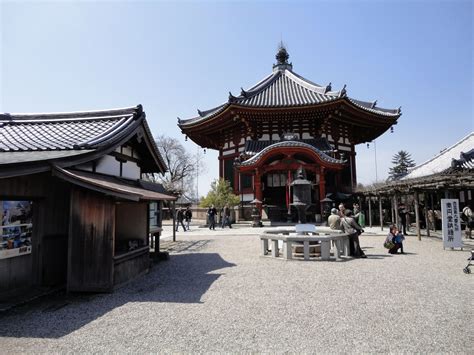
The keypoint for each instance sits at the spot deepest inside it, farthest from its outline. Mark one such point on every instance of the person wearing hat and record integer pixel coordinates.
(334, 221)
(352, 228)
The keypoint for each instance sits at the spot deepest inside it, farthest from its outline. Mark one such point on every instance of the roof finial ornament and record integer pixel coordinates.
(199, 112)
(232, 98)
(343, 92)
(282, 57)
(373, 104)
(179, 120)
(399, 110)
(328, 87)
(282, 54)
(243, 92)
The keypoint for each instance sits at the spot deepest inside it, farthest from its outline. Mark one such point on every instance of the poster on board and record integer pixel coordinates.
(15, 228)
(451, 223)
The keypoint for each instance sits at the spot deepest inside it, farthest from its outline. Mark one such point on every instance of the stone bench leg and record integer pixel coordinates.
(306, 250)
(346, 246)
(287, 252)
(325, 250)
(337, 249)
(264, 246)
(275, 252)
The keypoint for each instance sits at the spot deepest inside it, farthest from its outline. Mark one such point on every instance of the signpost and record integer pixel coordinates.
(451, 223)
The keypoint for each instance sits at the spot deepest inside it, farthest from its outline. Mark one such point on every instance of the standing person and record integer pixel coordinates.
(334, 221)
(180, 219)
(352, 228)
(211, 215)
(342, 210)
(188, 215)
(226, 216)
(356, 210)
(431, 220)
(468, 218)
(438, 218)
(402, 213)
(396, 238)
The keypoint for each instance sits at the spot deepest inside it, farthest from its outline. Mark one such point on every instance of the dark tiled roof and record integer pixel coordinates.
(32, 142)
(64, 131)
(320, 153)
(254, 147)
(465, 161)
(284, 88)
(112, 185)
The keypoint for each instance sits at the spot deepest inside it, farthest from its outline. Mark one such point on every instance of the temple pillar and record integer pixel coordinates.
(322, 188)
(353, 170)
(258, 188)
(221, 165)
(237, 187)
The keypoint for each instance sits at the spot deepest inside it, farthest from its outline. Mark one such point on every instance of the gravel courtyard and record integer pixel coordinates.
(216, 294)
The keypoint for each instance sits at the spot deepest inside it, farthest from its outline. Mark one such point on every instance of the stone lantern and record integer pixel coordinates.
(301, 194)
(256, 217)
(326, 205)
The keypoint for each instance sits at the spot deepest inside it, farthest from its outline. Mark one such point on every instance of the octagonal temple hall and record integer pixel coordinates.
(285, 121)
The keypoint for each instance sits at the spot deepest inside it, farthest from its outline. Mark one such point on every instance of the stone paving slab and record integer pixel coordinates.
(216, 294)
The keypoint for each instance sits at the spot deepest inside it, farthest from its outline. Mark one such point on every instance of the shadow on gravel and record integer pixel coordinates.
(185, 278)
(379, 256)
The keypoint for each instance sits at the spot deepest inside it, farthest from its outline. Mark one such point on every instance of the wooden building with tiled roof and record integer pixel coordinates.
(448, 174)
(75, 208)
(281, 123)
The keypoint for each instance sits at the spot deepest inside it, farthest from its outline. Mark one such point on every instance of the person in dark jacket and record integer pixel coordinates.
(188, 215)
(211, 216)
(226, 217)
(402, 213)
(180, 219)
(352, 228)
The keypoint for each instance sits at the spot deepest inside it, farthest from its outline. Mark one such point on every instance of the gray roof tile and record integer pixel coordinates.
(64, 131)
(321, 154)
(284, 88)
(253, 147)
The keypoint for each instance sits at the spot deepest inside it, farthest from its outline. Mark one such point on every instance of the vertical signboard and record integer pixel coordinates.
(451, 223)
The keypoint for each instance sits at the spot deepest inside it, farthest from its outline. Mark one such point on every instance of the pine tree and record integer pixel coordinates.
(401, 161)
(221, 194)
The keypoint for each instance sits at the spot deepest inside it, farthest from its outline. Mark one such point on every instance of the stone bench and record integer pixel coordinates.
(289, 239)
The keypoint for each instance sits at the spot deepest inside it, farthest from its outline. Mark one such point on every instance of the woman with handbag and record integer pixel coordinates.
(394, 240)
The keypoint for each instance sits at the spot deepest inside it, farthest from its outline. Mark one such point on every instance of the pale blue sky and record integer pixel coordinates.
(177, 57)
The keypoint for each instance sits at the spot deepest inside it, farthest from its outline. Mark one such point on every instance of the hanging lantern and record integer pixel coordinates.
(368, 145)
(204, 150)
(186, 138)
(391, 129)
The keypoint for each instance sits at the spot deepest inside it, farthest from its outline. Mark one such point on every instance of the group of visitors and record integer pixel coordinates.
(345, 220)
(183, 216)
(212, 214)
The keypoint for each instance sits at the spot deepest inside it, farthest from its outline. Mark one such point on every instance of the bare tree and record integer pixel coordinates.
(182, 166)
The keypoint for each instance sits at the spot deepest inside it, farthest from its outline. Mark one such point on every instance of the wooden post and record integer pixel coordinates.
(427, 223)
(174, 221)
(417, 215)
(395, 210)
(258, 190)
(370, 211)
(381, 212)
